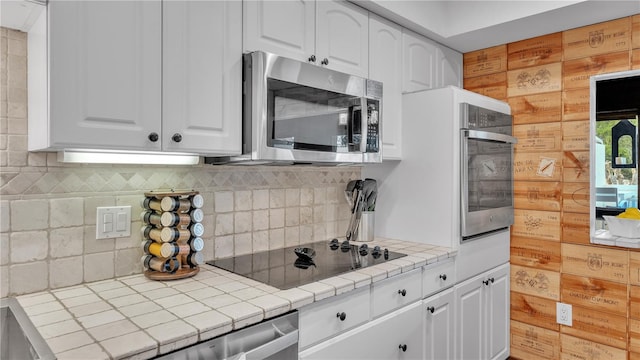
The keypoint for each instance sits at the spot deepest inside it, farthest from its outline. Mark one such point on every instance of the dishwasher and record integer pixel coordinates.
(273, 339)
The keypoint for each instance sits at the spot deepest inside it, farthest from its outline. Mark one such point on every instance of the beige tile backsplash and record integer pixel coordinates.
(48, 209)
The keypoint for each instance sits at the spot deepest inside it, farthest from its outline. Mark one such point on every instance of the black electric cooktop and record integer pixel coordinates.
(294, 266)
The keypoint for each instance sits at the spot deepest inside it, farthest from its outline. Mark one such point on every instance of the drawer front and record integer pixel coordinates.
(396, 292)
(329, 317)
(438, 276)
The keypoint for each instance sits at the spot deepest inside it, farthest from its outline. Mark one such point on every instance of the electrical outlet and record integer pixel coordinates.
(564, 314)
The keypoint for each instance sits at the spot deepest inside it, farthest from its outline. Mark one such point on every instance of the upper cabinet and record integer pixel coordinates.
(328, 33)
(385, 65)
(448, 67)
(419, 65)
(428, 65)
(136, 75)
(202, 76)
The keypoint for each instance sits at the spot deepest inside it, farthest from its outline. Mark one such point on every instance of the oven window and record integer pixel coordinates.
(305, 118)
(489, 170)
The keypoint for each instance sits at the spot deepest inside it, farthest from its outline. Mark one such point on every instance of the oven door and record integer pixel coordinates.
(487, 183)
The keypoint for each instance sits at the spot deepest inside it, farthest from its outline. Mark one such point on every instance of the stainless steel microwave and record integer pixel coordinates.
(297, 112)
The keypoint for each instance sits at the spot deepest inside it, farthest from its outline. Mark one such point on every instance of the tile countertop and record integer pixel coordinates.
(136, 318)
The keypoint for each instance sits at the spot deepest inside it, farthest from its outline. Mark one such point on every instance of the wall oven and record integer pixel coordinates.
(486, 171)
(299, 112)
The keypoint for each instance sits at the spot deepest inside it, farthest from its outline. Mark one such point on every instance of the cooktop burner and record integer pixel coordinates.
(294, 266)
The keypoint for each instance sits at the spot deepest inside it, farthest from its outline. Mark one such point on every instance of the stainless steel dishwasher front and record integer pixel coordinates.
(273, 339)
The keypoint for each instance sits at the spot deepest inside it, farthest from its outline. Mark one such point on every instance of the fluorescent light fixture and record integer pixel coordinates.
(126, 157)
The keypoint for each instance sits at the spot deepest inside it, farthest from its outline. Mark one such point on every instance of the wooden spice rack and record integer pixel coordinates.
(171, 234)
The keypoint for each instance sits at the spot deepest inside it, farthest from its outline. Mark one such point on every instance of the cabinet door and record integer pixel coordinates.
(419, 62)
(385, 65)
(439, 324)
(105, 74)
(470, 303)
(498, 306)
(397, 335)
(286, 28)
(202, 77)
(449, 67)
(342, 37)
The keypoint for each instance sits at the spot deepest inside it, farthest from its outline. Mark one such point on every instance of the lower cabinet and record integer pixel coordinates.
(397, 335)
(439, 323)
(482, 323)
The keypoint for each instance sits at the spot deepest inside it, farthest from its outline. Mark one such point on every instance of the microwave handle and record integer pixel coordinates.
(364, 121)
(491, 136)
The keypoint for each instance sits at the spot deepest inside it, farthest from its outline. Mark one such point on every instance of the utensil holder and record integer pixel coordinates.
(367, 226)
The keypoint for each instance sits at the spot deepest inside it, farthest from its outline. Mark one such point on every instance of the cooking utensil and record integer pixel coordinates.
(348, 192)
(370, 190)
(356, 210)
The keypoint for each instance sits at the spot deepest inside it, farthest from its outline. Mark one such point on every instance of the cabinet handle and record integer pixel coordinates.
(403, 347)
(431, 309)
(486, 282)
(153, 137)
(325, 61)
(402, 292)
(341, 316)
(176, 137)
(312, 58)
(443, 277)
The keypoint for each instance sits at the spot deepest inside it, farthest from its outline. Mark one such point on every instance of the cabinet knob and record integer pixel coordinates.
(492, 280)
(324, 61)
(403, 347)
(443, 277)
(176, 137)
(153, 137)
(431, 309)
(312, 58)
(341, 316)
(402, 292)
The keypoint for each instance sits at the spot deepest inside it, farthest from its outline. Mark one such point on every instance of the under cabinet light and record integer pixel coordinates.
(126, 157)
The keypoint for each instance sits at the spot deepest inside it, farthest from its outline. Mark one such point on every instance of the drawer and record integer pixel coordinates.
(396, 292)
(438, 276)
(321, 320)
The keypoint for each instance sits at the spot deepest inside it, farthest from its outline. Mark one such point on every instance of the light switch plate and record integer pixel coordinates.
(113, 222)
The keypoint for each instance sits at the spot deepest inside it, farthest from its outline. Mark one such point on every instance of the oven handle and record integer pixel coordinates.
(491, 136)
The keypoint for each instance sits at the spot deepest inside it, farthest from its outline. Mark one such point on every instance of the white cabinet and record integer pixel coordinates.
(482, 325)
(448, 67)
(439, 315)
(429, 65)
(385, 65)
(437, 277)
(419, 59)
(202, 77)
(393, 293)
(397, 335)
(136, 75)
(286, 28)
(329, 33)
(329, 317)
(104, 75)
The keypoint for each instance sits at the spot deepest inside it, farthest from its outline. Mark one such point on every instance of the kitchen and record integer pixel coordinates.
(48, 208)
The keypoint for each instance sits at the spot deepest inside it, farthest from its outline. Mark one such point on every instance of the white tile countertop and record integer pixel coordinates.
(133, 317)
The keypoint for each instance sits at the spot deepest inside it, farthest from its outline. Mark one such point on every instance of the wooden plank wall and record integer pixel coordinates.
(546, 82)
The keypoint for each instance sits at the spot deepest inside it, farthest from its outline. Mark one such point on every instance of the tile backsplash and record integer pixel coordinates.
(48, 209)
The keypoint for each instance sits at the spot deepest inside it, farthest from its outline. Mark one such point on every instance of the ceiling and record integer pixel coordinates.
(468, 25)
